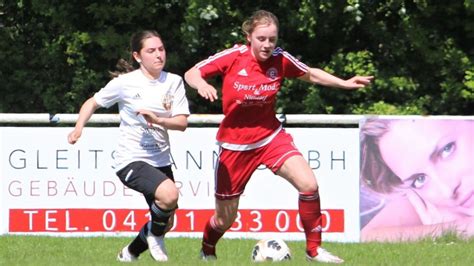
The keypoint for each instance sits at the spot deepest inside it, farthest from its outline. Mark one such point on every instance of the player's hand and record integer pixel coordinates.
(149, 116)
(208, 92)
(358, 82)
(74, 136)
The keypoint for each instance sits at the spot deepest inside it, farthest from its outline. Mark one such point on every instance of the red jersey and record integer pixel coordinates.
(249, 91)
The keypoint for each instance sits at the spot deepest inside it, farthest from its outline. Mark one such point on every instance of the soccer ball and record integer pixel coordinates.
(271, 250)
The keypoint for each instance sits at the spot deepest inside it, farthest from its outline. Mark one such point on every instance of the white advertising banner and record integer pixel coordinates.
(51, 187)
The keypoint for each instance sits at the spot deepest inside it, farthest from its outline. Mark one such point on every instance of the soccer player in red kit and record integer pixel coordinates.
(250, 133)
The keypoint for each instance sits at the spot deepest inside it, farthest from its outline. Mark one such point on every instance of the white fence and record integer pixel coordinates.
(45, 118)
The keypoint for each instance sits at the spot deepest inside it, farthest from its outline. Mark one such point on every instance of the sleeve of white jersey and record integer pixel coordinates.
(110, 94)
(180, 102)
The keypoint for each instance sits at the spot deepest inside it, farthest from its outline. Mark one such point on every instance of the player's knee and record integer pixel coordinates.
(167, 195)
(171, 201)
(309, 186)
(173, 195)
(313, 187)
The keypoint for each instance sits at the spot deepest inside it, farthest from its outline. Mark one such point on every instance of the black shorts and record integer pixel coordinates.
(144, 178)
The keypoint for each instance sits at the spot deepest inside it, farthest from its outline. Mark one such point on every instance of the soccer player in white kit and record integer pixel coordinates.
(250, 133)
(150, 102)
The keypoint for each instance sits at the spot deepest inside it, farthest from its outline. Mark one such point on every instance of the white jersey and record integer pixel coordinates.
(139, 141)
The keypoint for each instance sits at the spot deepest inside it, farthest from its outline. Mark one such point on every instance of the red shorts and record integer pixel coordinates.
(234, 168)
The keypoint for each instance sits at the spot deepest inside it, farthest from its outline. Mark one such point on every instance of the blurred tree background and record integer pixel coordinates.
(55, 54)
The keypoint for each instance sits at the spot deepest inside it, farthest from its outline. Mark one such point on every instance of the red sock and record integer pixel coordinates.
(210, 237)
(309, 207)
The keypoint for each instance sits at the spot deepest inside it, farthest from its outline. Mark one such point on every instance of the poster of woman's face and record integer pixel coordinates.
(417, 178)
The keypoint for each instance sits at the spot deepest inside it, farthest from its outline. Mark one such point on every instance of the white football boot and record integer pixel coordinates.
(325, 257)
(125, 256)
(156, 244)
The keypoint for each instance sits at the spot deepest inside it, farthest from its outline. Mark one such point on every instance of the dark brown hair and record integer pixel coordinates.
(136, 44)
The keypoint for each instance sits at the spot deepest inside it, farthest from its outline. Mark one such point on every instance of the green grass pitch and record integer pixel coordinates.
(44, 250)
